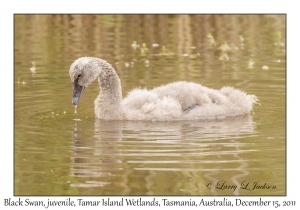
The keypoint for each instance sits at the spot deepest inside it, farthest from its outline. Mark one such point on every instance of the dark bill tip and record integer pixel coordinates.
(77, 91)
(75, 100)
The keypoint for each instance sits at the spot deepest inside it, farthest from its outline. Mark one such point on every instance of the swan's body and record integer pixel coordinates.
(175, 101)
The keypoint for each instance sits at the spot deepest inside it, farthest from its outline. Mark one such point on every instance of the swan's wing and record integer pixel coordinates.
(149, 107)
(140, 101)
(141, 104)
(189, 109)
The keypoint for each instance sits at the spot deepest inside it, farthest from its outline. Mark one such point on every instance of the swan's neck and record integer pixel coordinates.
(108, 102)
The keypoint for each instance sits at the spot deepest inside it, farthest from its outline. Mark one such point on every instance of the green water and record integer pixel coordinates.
(57, 155)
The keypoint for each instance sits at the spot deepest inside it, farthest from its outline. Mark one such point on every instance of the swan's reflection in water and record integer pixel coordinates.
(141, 157)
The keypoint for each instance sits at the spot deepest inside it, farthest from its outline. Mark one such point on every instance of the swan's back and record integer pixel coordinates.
(185, 101)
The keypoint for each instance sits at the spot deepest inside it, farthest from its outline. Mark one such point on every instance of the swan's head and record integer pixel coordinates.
(82, 73)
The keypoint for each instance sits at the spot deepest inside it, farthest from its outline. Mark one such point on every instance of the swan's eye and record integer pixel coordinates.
(79, 75)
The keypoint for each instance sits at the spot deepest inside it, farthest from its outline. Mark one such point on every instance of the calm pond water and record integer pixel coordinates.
(57, 155)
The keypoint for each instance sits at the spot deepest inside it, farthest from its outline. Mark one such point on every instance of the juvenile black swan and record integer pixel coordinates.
(175, 101)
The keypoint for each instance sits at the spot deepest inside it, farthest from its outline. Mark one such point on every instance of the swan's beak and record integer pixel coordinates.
(77, 90)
